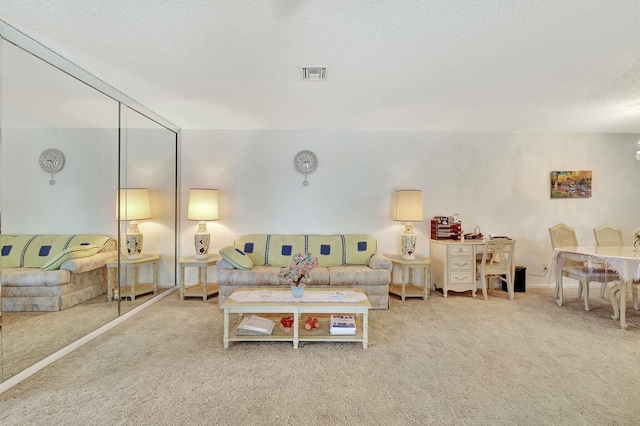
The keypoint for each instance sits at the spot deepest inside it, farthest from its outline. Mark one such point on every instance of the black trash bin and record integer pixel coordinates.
(519, 282)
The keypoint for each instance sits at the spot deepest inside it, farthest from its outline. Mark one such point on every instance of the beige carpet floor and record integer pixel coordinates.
(453, 361)
(28, 337)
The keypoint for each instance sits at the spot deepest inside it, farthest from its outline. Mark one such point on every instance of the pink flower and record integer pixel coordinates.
(299, 269)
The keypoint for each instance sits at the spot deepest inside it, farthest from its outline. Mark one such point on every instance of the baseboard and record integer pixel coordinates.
(29, 371)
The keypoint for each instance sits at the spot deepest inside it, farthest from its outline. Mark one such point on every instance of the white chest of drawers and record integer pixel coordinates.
(453, 264)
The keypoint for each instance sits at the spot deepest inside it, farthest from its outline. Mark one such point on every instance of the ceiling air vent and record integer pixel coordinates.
(314, 73)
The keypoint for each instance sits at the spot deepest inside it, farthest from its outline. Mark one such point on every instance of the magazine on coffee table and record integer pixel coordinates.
(342, 324)
(255, 325)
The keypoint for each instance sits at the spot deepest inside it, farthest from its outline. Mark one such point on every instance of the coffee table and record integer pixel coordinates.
(266, 302)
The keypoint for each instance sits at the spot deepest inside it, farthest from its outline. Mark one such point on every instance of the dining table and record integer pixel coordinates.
(623, 261)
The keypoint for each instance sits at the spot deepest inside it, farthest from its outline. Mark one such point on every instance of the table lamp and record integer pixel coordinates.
(408, 209)
(203, 206)
(134, 206)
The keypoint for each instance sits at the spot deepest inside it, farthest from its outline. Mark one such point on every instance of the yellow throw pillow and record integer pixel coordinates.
(70, 253)
(236, 257)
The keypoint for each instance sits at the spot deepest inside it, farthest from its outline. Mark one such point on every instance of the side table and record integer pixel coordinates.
(408, 288)
(202, 288)
(133, 288)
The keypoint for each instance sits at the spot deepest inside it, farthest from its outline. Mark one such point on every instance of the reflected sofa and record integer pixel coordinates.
(53, 272)
(345, 260)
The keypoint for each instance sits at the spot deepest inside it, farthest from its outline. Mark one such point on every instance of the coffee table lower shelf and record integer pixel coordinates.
(321, 334)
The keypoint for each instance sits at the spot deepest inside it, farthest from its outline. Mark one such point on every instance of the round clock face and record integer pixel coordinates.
(305, 162)
(51, 160)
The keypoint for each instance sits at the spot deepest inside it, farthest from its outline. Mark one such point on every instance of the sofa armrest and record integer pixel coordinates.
(223, 264)
(380, 261)
(89, 263)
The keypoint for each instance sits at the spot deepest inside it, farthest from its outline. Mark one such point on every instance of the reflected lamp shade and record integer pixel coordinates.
(134, 206)
(408, 209)
(203, 206)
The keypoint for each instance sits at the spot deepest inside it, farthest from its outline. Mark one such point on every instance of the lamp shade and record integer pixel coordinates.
(203, 204)
(408, 206)
(134, 204)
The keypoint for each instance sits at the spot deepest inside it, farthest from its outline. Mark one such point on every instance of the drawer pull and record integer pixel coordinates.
(460, 265)
(459, 278)
(460, 250)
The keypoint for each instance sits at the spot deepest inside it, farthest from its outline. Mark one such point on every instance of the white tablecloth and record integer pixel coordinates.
(625, 261)
(347, 296)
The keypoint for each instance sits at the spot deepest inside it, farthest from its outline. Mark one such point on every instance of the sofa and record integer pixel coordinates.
(53, 272)
(345, 260)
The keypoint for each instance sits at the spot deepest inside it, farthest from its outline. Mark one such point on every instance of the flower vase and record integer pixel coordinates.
(636, 243)
(297, 291)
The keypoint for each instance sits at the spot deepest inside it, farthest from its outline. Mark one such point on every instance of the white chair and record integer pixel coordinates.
(610, 236)
(497, 261)
(565, 236)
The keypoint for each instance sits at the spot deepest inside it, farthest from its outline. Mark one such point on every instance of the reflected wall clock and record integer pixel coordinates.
(51, 161)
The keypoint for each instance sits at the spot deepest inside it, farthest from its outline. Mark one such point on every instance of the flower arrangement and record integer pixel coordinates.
(300, 268)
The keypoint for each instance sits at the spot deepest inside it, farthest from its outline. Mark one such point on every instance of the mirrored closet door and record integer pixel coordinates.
(69, 151)
(148, 187)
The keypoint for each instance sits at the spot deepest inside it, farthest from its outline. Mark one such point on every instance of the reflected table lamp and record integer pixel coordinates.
(408, 209)
(134, 206)
(203, 206)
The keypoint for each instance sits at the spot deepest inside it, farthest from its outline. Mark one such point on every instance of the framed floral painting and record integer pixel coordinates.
(574, 184)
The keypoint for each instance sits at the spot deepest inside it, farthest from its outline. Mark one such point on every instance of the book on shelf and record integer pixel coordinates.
(245, 332)
(342, 324)
(254, 325)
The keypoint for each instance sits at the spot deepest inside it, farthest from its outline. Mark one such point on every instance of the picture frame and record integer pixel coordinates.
(571, 184)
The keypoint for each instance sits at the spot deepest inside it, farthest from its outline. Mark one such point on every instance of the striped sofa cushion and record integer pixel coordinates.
(358, 249)
(254, 246)
(330, 250)
(36, 251)
(282, 248)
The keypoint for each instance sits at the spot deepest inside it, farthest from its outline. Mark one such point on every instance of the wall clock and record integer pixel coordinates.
(305, 162)
(51, 161)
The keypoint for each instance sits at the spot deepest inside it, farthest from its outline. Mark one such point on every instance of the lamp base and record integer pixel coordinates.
(134, 241)
(408, 244)
(202, 238)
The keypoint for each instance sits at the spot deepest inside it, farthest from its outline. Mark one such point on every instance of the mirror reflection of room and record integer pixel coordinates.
(148, 158)
(59, 159)
(60, 230)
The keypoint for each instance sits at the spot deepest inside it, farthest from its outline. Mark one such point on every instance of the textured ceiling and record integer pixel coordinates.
(433, 65)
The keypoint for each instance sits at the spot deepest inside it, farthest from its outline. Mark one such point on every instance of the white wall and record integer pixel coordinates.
(77, 203)
(499, 182)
